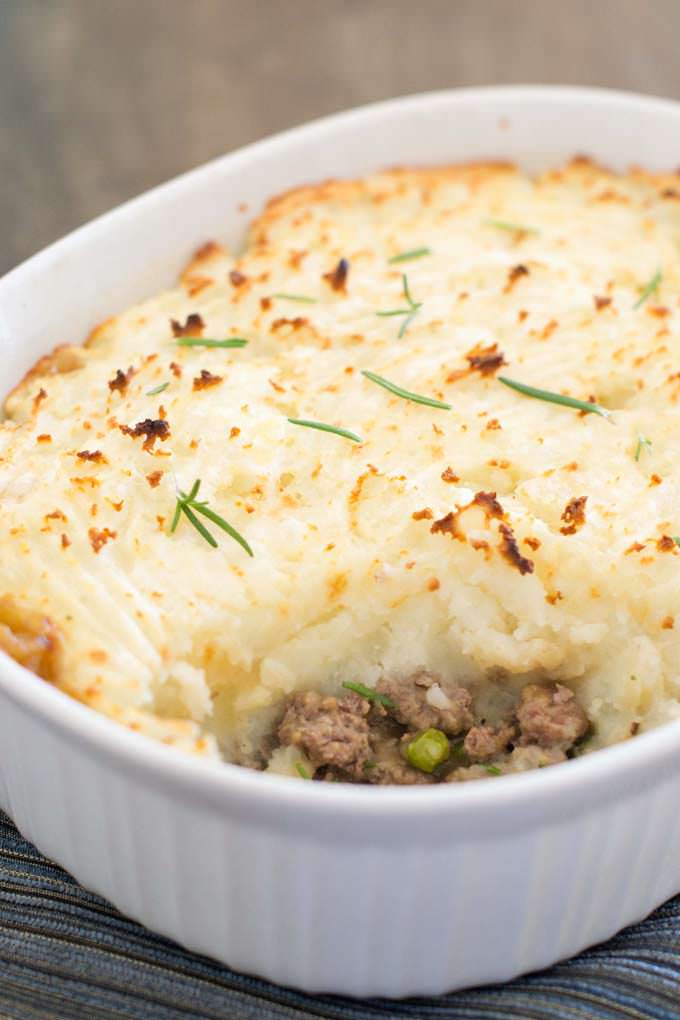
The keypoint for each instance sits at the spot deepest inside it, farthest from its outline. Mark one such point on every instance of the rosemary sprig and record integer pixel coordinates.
(642, 444)
(410, 312)
(650, 288)
(406, 256)
(493, 770)
(322, 427)
(555, 398)
(187, 504)
(369, 693)
(157, 389)
(415, 398)
(200, 341)
(513, 228)
(301, 770)
(302, 298)
(676, 539)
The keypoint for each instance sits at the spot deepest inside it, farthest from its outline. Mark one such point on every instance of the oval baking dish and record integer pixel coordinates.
(335, 888)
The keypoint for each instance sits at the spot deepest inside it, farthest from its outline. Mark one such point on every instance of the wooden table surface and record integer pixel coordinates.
(101, 99)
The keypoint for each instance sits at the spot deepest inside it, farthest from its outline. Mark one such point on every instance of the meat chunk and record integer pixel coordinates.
(485, 742)
(422, 700)
(550, 716)
(331, 731)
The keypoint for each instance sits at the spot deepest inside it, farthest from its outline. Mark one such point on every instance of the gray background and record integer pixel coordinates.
(101, 99)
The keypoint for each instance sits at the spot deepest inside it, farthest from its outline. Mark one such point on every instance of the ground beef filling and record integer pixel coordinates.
(384, 740)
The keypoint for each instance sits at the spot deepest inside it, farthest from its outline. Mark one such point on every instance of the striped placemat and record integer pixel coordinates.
(65, 954)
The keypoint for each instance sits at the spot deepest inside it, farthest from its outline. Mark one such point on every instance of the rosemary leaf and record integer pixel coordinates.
(555, 398)
(188, 505)
(322, 427)
(410, 312)
(650, 288)
(415, 398)
(406, 256)
(642, 444)
(301, 298)
(157, 389)
(200, 528)
(513, 228)
(199, 341)
(369, 693)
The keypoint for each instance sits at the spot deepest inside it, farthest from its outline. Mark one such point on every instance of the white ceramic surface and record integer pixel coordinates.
(329, 887)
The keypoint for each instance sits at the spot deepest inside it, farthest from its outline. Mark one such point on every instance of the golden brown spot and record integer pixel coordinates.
(206, 379)
(666, 544)
(152, 428)
(554, 597)
(533, 543)
(515, 274)
(237, 278)
(635, 547)
(422, 515)
(485, 360)
(634, 728)
(510, 550)
(449, 476)
(234, 431)
(154, 478)
(207, 251)
(574, 515)
(336, 585)
(668, 623)
(65, 541)
(275, 386)
(99, 538)
(98, 655)
(195, 284)
(265, 304)
(654, 480)
(38, 399)
(549, 329)
(297, 323)
(120, 381)
(93, 510)
(117, 506)
(82, 483)
(295, 259)
(447, 525)
(193, 326)
(601, 302)
(59, 515)
(95, 456)
(493, 425)
(337, 278)
(522, 315)
(433, 584)
(175, 369)
(658, 311)
(160, 520)
(489, 504)
(44, 437)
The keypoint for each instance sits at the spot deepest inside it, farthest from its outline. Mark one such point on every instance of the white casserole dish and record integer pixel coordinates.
(347, 889)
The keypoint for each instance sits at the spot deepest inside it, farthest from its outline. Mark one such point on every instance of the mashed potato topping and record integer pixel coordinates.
(489, 536)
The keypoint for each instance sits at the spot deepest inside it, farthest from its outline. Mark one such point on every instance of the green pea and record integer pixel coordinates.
(428, 750)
